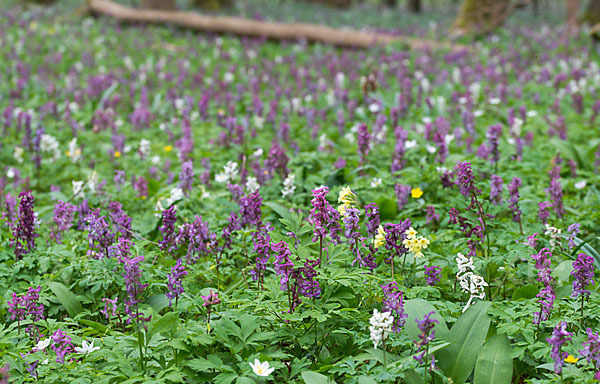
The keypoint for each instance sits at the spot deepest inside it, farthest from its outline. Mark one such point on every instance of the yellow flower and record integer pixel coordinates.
(416, 193)
(379, 238)
(342, 209)
(144, 197)
(68, 153)
(423, 242)
(346, 197)
(571, 359)
(410, 233)
(168, 148)
(117, 154)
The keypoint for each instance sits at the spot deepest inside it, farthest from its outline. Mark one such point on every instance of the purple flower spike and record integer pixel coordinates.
(174, 285)
(560, 336)
(24, 232)
(583, 272)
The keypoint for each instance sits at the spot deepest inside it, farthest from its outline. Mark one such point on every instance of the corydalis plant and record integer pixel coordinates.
(560, 336)
(583, 273)
(324, 218)
(546, 296)
(174, 285)
(24, 231)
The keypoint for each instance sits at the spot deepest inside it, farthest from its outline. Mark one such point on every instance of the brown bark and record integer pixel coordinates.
(168, 5)
(572, 11)
(414, 6)
(592, 12)
(213, 5)
(481, 15)
(255, 28)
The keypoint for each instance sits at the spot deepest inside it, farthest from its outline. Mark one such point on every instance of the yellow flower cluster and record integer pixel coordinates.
(415, 243)
(347, 198)
(379, 240)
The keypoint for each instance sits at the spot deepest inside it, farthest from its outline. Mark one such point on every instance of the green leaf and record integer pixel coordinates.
(494, 364)
(66, 298)
(95, 325)
(417, 309)
(280, 210)
(466, 337)
(166, 323)
(366, 380)
(158, 302)
(525, 292)
(315, 378)
(563, 271)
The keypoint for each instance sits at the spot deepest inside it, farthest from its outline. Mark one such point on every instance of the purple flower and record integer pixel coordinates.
(394, 236)
(352, 229)
(32, 305)
(532, 241)
(426, 326)
(560, 336)
(583, 272)
(120, 218)
(307, 285)
(430, 214)
(198, 238)
(323, 217)
(277, 161)
(591, 348)
(167, 229)
(496, 186)
(250, 210)
(119, 179)
(493, 135)
(175, 289)
(133, 287)
(513, 190)
(62, 345)
(393, 302)
(110, 307)
(372, 219)
(555, 191)
(24, 231)
(262, 249)
(10, 214)
(211, 299)
(402, 192)
(543, 213)
(432, 275)
(186, 177)
(283, 263)
(64, 213)
(100, 237)
(546, 296)
(573, 231)
(364, 142)
(466, 179)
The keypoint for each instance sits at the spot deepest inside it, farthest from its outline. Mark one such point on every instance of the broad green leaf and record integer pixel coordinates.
(95, 325)
(158, 302)
(494, 364)
(466, 337)
(280, 210)
(165, 323)
(525, 292)
(366, 380)
(563, 270)
(315, 378)
(417, 309)
(66, 298)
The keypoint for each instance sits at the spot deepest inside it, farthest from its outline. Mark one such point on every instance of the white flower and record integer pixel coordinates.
(77, 187)
(155, 160)
(50, 144)
(430, 148)
(74, 151)
(469, 281)
(228, 174)
(258, 153)
(10, 172)
(376, 182)
(374, 108)
(44, 362)
(261, 369)
(43, 344)
(464, 263)
(144, 147)
(478, 113)
(92, 181)
(381, 326)
(531, 113)
(18, 154)
(580, 184)
(408, 144)
(252, 184)
(494, 101)
(86, 348)
(288, 185)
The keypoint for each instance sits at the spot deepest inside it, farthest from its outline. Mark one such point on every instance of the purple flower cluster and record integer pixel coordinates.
(250, 210)
(591, 348)
(198, 238)
(174, 285)
(583, 273)
(573, 231)
(24, 231)
(186, 177)
(323, 217)
(305, 277)
(20, 307)
(394, 236)
(432, 275)
(120, 218)
(372, 219)
(546, 296)
(493, 135)
(64, 213)
(167, 229)
(513, 190)
(110, 307)
(466, 179)
(430, 214)
(560, 336)
(543, 213)
(496, 186)
(100, 236)
(393, 302)
(364, 142)
(262, 248)
(555, 191)
(283, 264)
(62, 345)
(134, 287)
(402, 193)
(427, 335)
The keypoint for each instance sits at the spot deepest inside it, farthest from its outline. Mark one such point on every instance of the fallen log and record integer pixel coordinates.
(270, 30)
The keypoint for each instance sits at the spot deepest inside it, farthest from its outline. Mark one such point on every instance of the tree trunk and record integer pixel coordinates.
(333, 3)
(391, 3)
(270, 30)
(414, 6)
(592, 13)
(167, 5)
(480, 15)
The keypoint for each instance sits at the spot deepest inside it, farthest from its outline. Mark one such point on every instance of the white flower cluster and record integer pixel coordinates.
(144, 148)
(288, 185)
(176, 194)
(252, 184)
(229, 173)
(469, 282)
(50, 144)
(554, 234)
(74, 151)
(381, 326)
